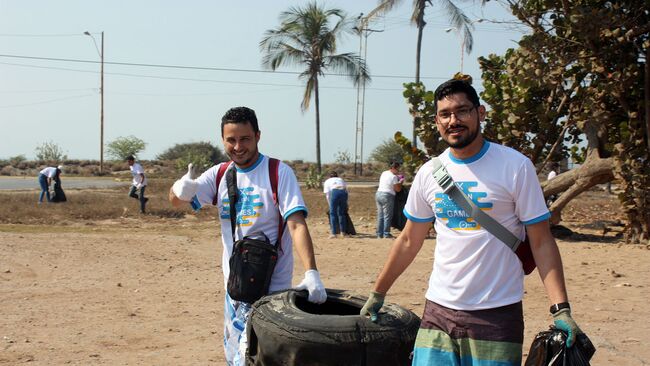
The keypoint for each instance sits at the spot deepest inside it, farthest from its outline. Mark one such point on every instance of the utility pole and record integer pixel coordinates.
(364, 32)
(101, 93)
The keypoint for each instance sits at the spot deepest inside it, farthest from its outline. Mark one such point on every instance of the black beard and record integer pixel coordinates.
(462, 143)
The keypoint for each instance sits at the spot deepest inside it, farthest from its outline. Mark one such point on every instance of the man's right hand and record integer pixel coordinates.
(373, 304)
(186, 187)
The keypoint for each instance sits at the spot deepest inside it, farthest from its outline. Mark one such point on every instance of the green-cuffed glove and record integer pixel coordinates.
(565, 322)
(373, 304)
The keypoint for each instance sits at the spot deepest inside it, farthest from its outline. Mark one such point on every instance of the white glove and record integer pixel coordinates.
(186, 187)
(314, 285)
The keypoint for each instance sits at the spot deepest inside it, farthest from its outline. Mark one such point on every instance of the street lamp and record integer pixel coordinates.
(101, 92)
(364, 32)
(462, 43)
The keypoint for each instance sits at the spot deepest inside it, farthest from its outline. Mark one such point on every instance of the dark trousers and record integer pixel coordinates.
(141, 197)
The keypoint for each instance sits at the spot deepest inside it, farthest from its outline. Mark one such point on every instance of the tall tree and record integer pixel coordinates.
(576, 86)
(457, 20)
(578, 74)
(308, 36)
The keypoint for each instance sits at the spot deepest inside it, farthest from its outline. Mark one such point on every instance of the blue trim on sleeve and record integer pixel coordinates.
(484, 149)
(246, 170)
(294, 210)
(545, 216)
(416, 219)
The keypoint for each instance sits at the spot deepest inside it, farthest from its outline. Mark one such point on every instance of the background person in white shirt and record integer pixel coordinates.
(552, 174)
(139, 182)
(45, 177)
(389, 184)
(336, 193)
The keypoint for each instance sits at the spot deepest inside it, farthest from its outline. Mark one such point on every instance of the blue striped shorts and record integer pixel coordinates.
(491, 337)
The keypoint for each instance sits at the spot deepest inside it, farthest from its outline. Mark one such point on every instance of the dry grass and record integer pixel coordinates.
(90, 205)
(95, 205)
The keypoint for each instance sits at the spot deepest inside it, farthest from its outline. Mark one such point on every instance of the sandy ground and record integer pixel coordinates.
(150, 292)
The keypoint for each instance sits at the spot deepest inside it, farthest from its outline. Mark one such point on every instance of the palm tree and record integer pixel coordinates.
(308, 37)
(457, 19)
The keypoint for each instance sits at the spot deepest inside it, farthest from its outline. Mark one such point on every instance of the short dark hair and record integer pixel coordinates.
(333, 173)
(394, 164)
(455, 86)
(240, 115)
(130, 158)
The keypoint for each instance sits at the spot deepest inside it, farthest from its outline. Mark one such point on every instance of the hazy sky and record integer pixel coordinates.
(48, 100)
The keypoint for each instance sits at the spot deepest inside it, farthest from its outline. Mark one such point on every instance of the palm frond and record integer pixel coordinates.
(283, 54)
(311, 82)
(351, 65)
(418, 7)
(460, 21)
(384, 7)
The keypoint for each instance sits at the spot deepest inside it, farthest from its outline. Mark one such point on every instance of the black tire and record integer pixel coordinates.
(286, 329)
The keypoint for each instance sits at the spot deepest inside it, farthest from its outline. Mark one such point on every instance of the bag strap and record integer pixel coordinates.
(274, 167)
(222, 169)
(231, 183)
(450, 188)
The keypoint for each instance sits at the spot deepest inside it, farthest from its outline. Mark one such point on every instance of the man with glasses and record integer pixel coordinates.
(473, 312)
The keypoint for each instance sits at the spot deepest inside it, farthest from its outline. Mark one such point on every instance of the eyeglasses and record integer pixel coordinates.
(461, 114)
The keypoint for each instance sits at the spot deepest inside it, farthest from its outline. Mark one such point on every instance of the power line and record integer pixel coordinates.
(188, 79)
(40, 35)
(182, 67)
(47, 101)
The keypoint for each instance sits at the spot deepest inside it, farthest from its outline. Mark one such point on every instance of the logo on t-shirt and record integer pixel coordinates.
(453, 215)
(247, 207)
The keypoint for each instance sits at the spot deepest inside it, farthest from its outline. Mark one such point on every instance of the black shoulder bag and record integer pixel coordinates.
(252, 260)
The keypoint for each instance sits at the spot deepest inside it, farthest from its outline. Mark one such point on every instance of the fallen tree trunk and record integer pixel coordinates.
(575, 181)
(595, 170)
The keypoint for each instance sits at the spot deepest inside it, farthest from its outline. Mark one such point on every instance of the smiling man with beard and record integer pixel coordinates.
(258, 213)
(473, 312)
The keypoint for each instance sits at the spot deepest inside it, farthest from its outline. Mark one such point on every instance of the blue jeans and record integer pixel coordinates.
(45, 189)
(141, 197)
(385, 203)
(338, 208)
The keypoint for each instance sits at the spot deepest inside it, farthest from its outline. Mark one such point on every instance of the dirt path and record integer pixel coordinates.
(126, 292)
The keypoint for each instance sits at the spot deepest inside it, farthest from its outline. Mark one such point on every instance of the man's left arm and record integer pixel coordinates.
(305, 249)
(549, 264)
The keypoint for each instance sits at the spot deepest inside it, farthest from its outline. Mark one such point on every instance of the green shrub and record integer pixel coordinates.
(122, 147)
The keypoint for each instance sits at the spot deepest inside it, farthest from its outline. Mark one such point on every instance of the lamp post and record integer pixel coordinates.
(101, 93)
(364, 32)
(462, 43)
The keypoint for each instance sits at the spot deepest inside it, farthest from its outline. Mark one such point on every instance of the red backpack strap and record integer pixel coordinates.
(222, 170)
(274, 165)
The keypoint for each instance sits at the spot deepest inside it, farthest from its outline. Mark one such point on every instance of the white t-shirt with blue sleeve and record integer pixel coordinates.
(256, 211)
(472, 269)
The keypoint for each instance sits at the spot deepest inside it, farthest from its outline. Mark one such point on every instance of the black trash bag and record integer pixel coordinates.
(58, 195)
(549, 349)
(349, 226)
(399, 219)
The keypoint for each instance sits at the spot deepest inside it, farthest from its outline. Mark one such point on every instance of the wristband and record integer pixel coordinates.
(557, 307)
